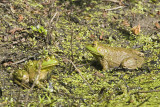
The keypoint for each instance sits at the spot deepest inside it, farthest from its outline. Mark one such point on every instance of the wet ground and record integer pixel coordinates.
(32, 29)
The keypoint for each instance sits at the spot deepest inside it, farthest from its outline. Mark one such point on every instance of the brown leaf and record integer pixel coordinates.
(157, 25)
(6, 64)
(101, 36)
(14, 30)
(20, 18)
(125, 23)
(92, 36)
(104, 14)
(136, 29)
(12, 9)
(99, 74)
(121, 3)
(158, 13)
(23, 40)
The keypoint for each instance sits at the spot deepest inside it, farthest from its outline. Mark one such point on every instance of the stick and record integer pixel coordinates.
(115, 8)
(79, 73)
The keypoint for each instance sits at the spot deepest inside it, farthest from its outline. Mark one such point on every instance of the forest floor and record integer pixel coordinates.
(31, 29)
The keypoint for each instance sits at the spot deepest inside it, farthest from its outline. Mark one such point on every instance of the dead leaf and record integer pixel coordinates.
(23, 40)
(20, 18)
(12, 9)
(157, 25)
(99, 74)
(125, 23)
(104, 14)
(6, 64)
(92, 36)
(136, 29)
(158, 13)
(101, 36)
(121, 3)
(14, 30)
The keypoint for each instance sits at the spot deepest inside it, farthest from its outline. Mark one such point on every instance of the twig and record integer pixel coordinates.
(20, 61)
(150, 91)
(143, 101)
(119, 7)
(49, 35)
(53, 17)
(70, 68)
(79, 73)
(23, 60)
(115, 1)
(76, 70)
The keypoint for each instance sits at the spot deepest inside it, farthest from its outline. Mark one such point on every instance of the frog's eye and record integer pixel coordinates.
(93, 45)
(47, 58)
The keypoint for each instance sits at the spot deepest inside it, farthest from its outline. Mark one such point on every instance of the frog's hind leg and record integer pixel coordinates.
(129, 63)
(22, 84)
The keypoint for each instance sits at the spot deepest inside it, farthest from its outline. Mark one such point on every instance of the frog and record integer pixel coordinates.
(34, 71)
(116, 57)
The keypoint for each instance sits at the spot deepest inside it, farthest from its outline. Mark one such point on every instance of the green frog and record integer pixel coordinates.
(35, 71)
(113, 57)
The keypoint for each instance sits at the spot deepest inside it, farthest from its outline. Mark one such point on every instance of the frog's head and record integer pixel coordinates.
(49, 62)
(96, 49)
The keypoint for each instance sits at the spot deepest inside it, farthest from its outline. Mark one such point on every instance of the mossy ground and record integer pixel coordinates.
(31, 29)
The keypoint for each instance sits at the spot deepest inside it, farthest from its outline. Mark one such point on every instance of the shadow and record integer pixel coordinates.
(93, 64)
(0, 92)
(97, 65)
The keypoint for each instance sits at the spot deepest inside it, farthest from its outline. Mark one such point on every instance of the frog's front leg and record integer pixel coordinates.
(39, 85)
(129, 63)
(104, 64)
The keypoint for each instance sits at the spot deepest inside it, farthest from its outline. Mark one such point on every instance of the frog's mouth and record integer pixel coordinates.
(49, 63)
(93, 50)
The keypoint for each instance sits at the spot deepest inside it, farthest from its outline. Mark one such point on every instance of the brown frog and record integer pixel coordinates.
(113, 57)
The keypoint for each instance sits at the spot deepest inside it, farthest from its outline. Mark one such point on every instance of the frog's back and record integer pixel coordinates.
(115, 55)
(119, 51)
